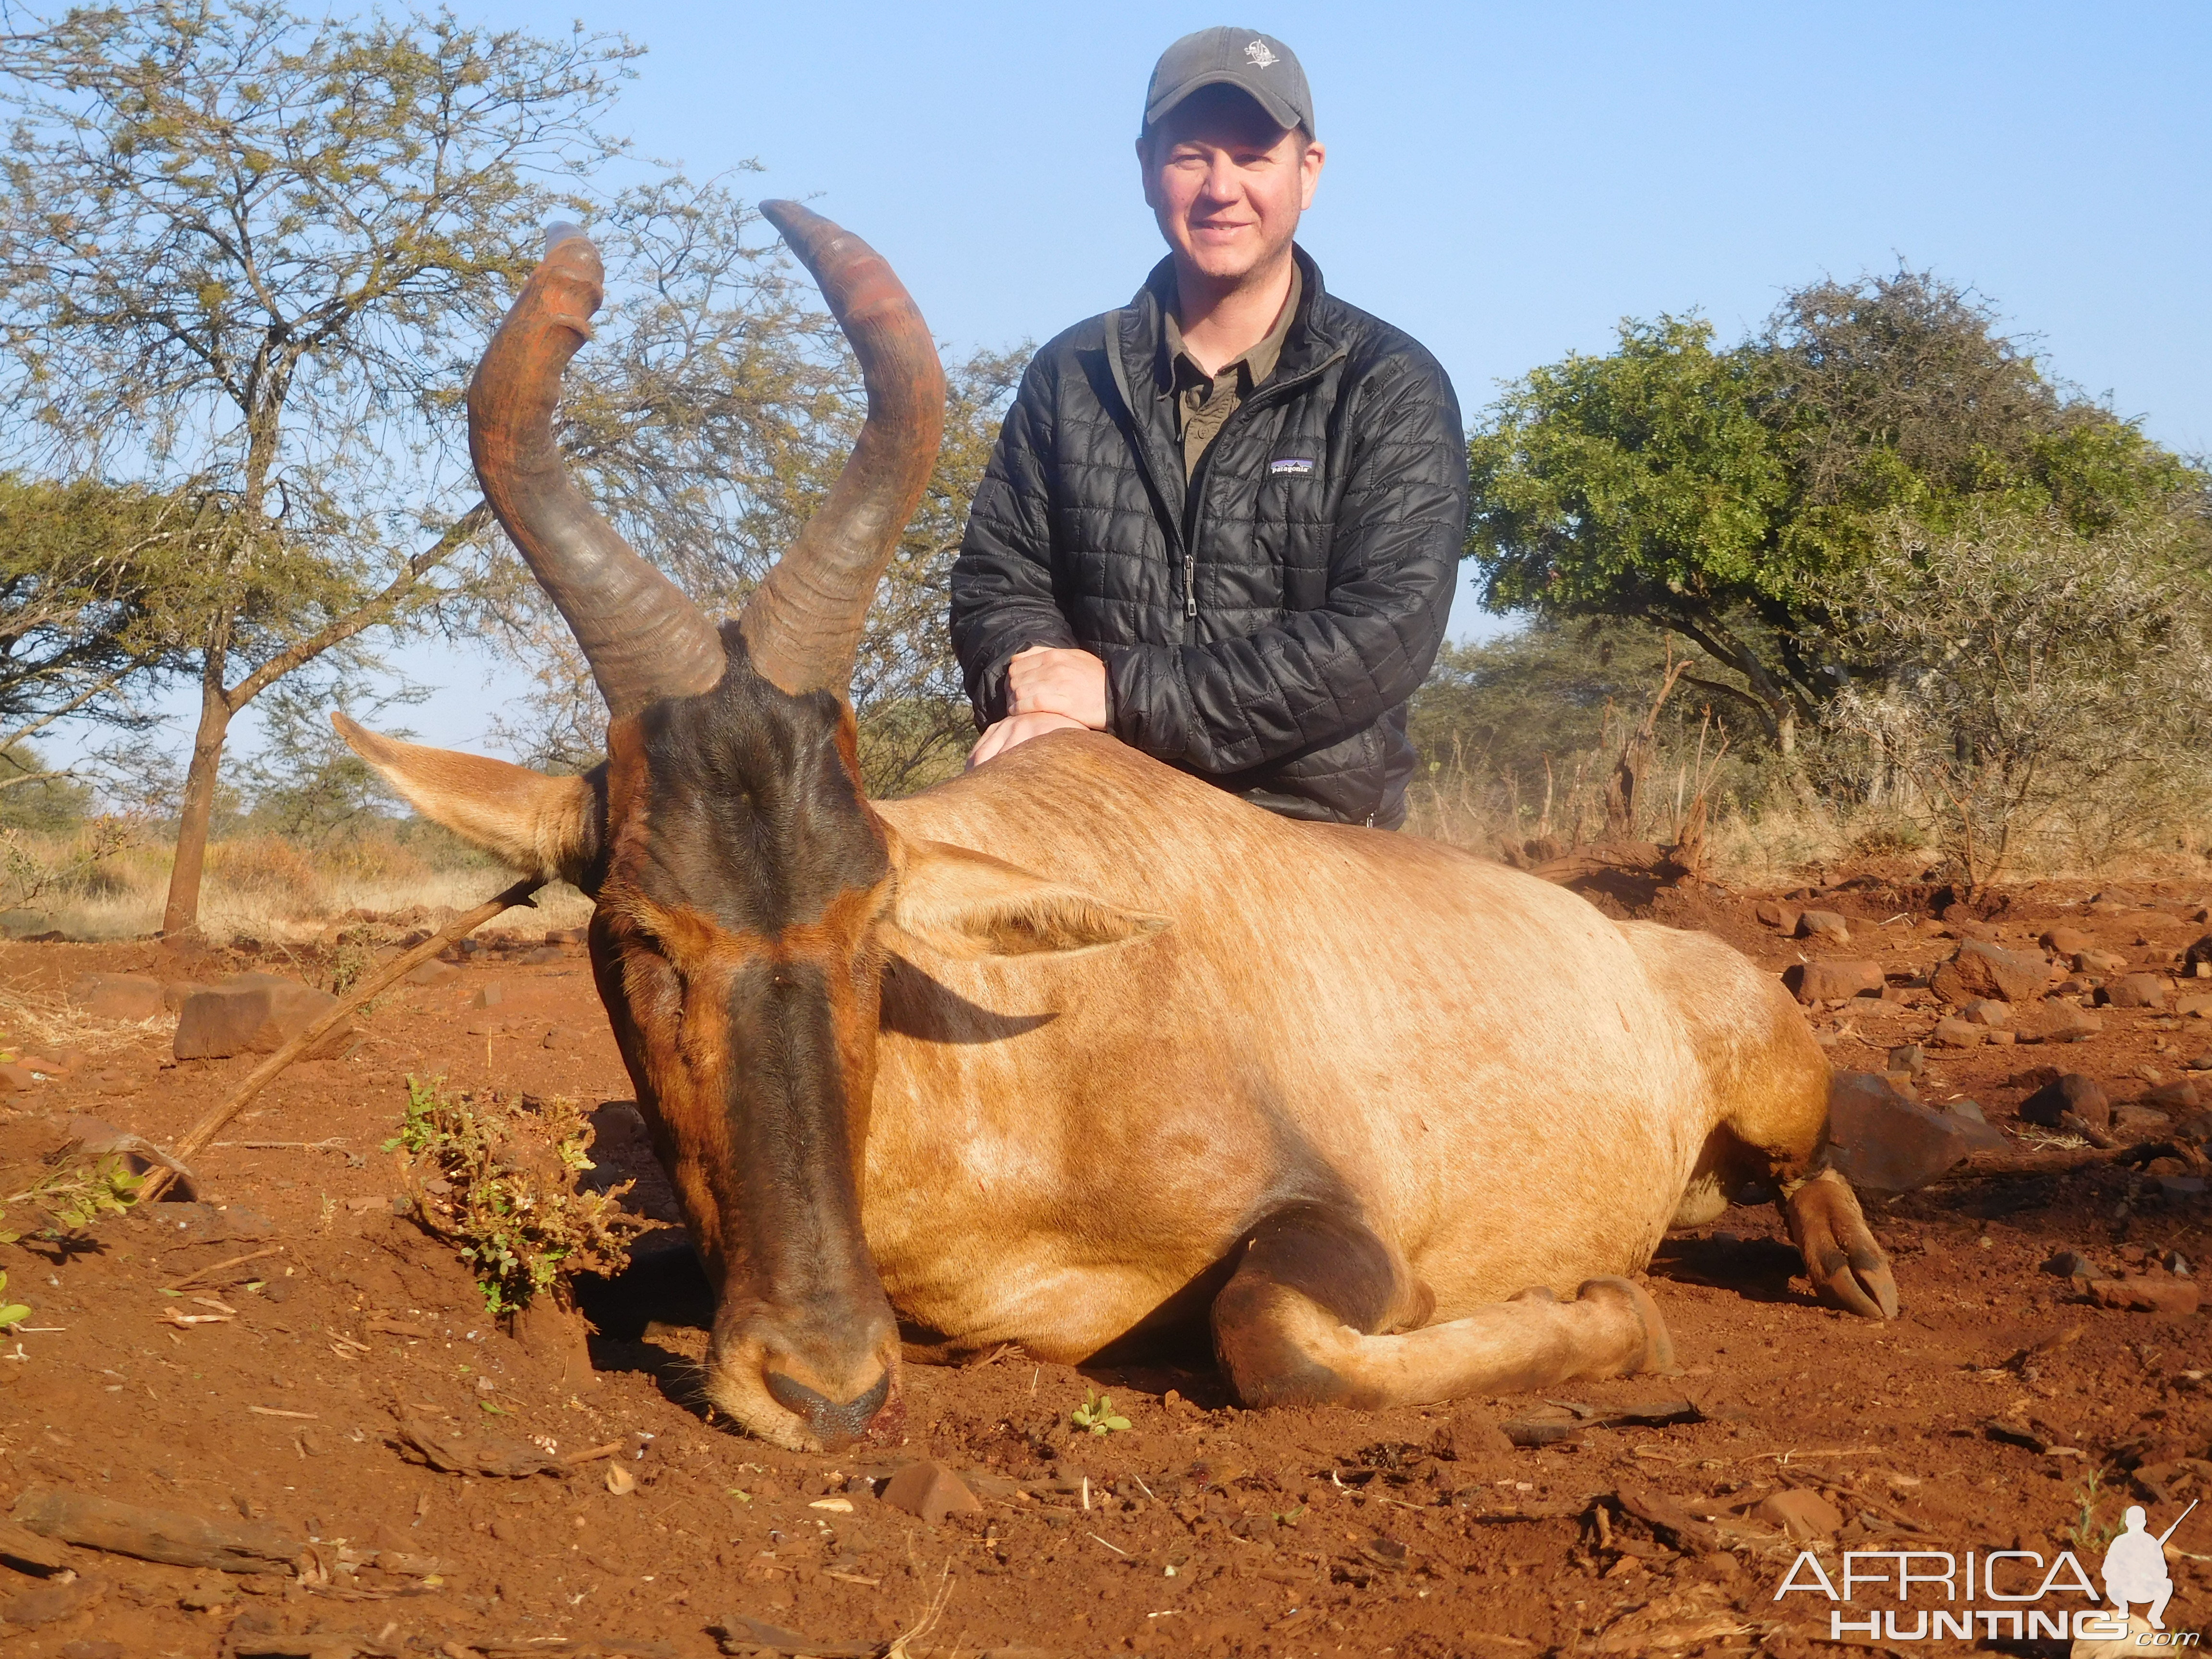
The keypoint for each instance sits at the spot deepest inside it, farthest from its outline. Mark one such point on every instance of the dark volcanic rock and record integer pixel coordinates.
(1883, 1142)
(2075, 1093)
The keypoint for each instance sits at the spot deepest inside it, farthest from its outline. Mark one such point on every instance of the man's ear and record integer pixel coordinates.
(544, 826)
(968, 905)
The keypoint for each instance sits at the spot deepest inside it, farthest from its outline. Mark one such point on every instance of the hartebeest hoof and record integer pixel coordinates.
(1847, 1265)
(1657, 1353)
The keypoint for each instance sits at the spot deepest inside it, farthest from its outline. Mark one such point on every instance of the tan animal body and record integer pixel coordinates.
(1076, 1051)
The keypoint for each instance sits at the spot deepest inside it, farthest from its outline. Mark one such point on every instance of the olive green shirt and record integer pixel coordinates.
(1205, 402)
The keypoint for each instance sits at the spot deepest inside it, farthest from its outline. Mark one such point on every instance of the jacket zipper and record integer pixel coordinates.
(1189, 543)
(1272, 394)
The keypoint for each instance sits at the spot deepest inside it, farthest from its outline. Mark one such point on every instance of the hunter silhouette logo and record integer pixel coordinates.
(2135, 1567)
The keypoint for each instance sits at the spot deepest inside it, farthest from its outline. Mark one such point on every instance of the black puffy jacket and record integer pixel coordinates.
(1266, 633)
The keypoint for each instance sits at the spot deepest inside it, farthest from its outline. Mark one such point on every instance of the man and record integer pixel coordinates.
(1223, 522)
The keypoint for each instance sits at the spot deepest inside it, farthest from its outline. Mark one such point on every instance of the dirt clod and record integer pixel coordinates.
(1803, 1514)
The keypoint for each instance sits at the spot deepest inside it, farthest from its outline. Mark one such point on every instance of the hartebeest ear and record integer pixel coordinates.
(970, 905)
(544, 826)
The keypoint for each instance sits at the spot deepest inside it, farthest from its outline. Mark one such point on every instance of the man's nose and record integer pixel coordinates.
(1222, 183)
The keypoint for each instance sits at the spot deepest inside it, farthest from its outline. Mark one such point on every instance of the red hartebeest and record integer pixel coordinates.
(1074, 1050)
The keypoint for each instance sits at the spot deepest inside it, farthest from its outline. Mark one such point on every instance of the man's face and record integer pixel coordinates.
(1226, 184)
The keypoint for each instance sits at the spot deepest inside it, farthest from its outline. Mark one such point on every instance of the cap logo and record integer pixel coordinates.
(1261, 55)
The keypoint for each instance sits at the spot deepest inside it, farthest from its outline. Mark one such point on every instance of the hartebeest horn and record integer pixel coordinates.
(802, 624)
(643, 637)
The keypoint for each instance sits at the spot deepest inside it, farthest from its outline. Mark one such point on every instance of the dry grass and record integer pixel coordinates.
(272, 890)
(51, 1025)
(1777, 830)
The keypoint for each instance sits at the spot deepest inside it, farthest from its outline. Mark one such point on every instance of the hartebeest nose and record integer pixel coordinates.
(833, 1424)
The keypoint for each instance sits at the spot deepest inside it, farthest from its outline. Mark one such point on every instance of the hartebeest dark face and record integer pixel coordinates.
(747, 895)
(738, 950)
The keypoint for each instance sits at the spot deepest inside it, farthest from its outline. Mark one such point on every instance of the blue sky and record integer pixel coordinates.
(1507, 183)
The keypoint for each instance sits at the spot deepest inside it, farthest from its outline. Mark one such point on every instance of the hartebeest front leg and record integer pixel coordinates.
(1300, 1322)
(1784, 1128)
(1845, 1262)
(1842, 1259)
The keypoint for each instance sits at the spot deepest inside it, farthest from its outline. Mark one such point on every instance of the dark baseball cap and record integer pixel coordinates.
(1257, 64)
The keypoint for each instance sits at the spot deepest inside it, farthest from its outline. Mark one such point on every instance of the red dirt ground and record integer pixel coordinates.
(1419, 1533)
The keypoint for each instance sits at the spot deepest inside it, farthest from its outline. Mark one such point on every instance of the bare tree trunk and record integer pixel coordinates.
(219, 705)
(1637, 756)
(181, 914)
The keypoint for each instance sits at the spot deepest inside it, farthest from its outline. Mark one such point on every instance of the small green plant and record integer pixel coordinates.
(1096, 1413)
(2088, 1533)
(498, 1183)
(352, 957)
(73, 1196)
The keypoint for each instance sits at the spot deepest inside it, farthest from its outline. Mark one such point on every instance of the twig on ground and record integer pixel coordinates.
(335, 1144)
(607, 1450)
(901, 1647)
(2055, 1162)
(196, 1138)
(217, 1266)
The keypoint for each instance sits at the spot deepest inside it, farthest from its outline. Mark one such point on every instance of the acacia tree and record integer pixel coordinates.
(96, 582)
(1725, 495)
(249, 256)
(2040, 679)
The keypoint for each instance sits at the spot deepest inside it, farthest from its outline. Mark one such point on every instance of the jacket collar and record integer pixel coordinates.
(1308, 344)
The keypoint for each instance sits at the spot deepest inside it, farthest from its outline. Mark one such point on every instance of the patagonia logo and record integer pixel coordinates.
(1296, 466)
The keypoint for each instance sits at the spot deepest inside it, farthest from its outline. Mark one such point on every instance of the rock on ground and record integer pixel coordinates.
(1803, 1514)
(2081, 1096)
(1824, 925)
(1952, 1032)
(2137, 991)
(2147, 1295)
(931, 1492)
(118, 996)
(254, 1014)
(1979, 970)
(1883, 1142)
(1832, 977)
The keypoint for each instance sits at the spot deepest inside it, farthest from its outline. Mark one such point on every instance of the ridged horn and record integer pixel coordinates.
(802, 625)
(641, 635)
